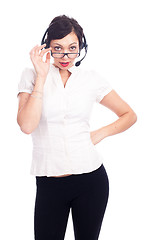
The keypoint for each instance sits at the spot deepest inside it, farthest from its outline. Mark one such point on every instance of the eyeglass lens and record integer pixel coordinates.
(60, 55)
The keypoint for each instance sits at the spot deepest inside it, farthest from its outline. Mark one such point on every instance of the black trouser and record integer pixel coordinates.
(87, 196)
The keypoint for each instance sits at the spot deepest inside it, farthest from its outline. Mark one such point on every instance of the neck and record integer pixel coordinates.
(64, 72)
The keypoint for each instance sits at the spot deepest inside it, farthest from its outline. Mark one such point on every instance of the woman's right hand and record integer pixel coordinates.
(41, 67)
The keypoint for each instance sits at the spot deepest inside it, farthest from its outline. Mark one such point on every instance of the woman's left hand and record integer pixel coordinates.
(96, 136)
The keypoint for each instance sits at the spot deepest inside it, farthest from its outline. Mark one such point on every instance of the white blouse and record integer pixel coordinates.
(61, 141)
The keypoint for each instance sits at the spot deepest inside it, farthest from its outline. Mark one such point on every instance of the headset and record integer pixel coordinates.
(84, 45)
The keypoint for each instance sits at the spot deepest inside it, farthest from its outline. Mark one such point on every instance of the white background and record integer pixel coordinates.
(124, 46)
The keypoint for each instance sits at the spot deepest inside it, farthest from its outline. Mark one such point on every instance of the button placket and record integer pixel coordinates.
(65, 108)
(65, 129)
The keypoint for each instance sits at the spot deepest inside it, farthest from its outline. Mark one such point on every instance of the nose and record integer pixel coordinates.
(65, 56)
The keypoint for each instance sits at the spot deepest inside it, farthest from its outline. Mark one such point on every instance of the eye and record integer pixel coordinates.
(57, 48)
(73, 47)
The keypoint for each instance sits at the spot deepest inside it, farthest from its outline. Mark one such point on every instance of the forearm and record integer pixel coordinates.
(123, 123)
(29, 116)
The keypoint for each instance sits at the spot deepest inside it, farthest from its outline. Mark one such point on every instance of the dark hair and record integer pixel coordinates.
(61, 26)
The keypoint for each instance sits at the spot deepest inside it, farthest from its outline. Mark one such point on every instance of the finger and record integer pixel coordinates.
(33, 49)
(39, 48)
(48, 57)
(44, 51)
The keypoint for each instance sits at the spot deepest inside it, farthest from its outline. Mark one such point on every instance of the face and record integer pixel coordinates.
(68, 44)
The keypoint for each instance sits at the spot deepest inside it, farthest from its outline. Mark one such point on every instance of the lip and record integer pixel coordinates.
(64, 64)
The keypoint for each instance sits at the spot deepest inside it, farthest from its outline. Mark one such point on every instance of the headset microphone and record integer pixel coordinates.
(78, 63)
(84, 45)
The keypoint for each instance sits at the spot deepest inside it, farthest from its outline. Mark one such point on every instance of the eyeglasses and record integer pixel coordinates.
(61, 55)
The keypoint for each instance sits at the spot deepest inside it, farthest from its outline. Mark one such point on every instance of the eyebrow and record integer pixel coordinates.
(69, 44)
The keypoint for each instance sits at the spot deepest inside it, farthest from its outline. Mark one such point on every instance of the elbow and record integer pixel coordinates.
(133, 117)
(25, 129)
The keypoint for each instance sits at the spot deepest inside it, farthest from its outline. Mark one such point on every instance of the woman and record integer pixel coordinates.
(55, 102)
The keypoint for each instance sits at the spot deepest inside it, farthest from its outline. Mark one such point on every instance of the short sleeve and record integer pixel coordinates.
(103, 87)
(27, 81)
